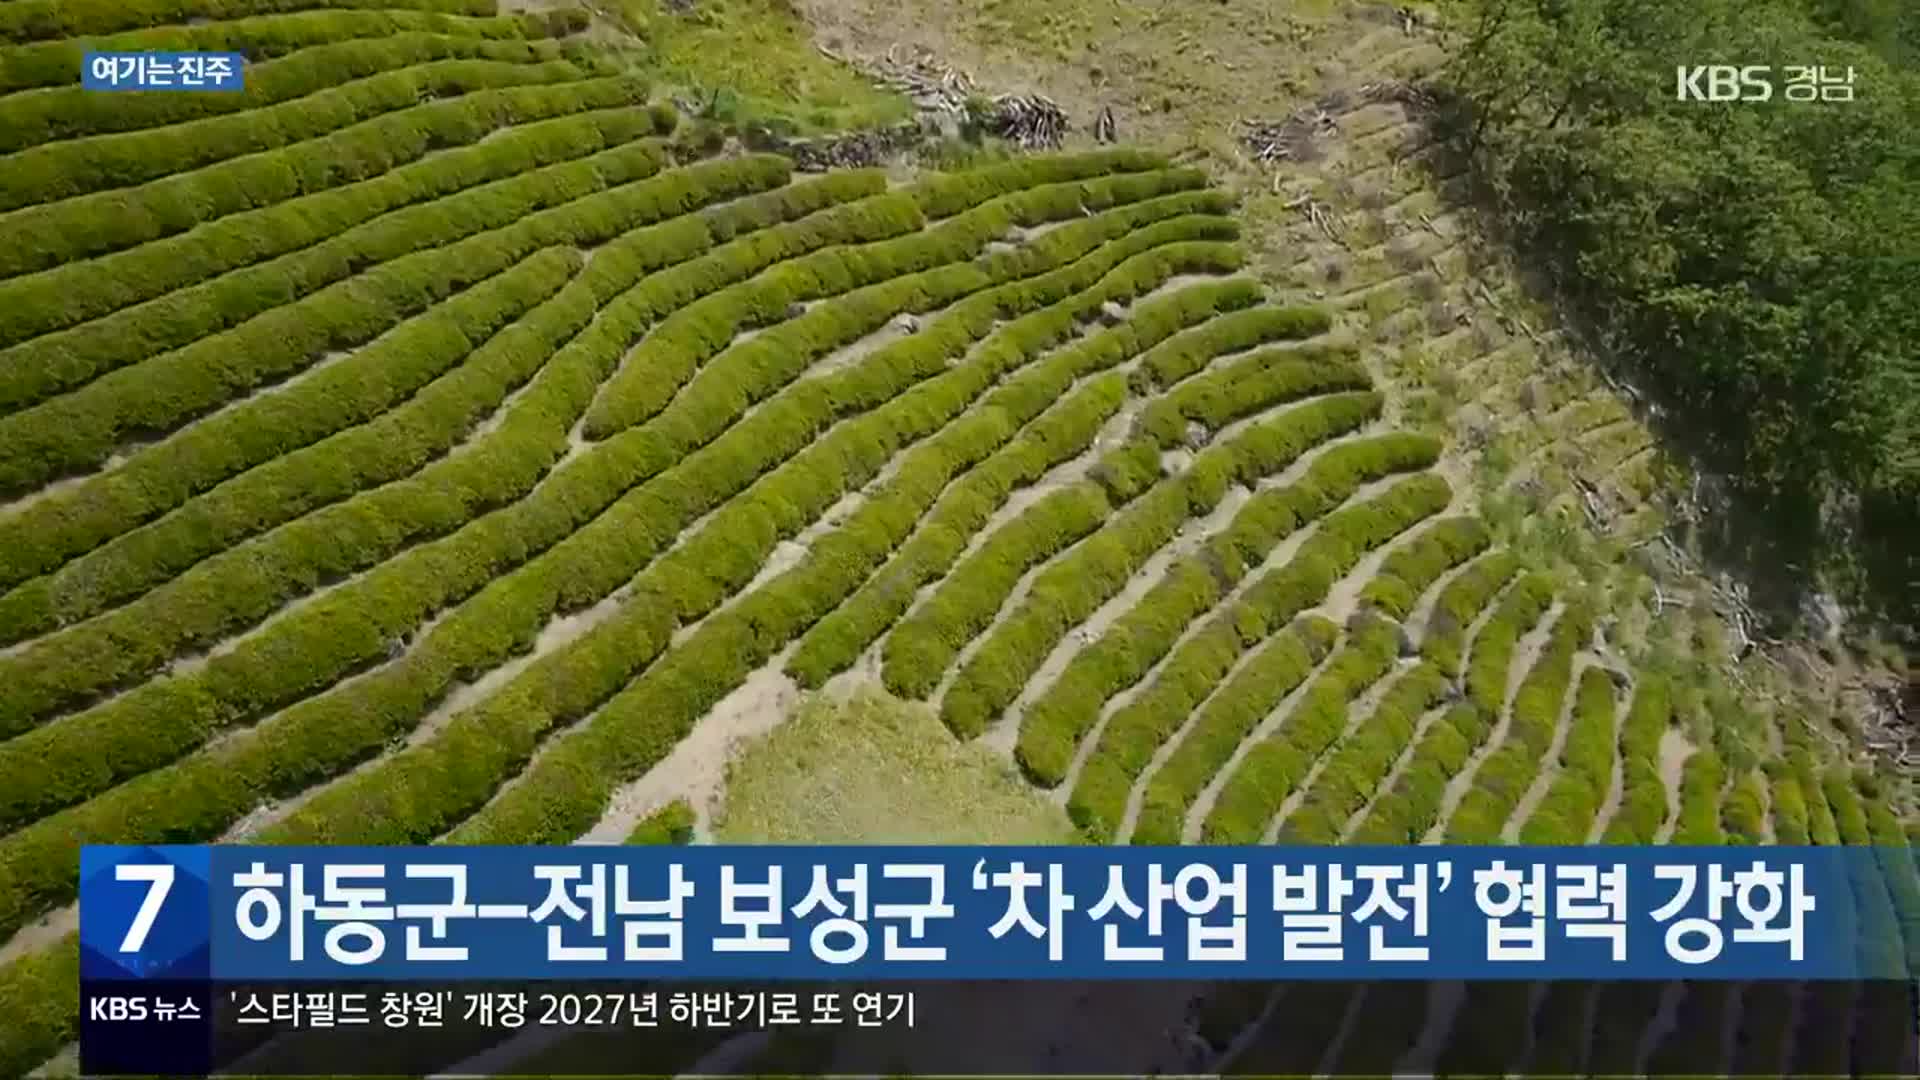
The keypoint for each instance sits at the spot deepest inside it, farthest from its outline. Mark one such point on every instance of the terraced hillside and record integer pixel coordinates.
(430, 446)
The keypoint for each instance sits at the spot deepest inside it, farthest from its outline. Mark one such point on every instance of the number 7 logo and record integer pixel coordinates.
(159, 877)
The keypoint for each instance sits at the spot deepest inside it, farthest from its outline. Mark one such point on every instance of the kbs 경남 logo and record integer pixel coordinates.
(1723, 82)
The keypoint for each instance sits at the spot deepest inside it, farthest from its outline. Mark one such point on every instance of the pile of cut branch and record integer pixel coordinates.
(855, 149)
(1291, 139)
(939, 90)
(1032, 121)
(933, 86)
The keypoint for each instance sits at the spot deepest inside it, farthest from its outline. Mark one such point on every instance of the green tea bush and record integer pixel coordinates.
(635, 391)
(1066, 593)
(492, 544)
(1444, 640)
(1701, 780)
(1643, 794)
(40, 996)
(1789, 805)
(924, 645)
(260, 37)
(1274, 670)
(1051, 730)
(672, 824)
(1573, 799)
(1413, 567)
(1487, 669)
(74, 112)
(572, 155)
(1184, 355)
(943, 194)
(1508, 772)
(1361, 763)
(1410, 808)
(38, 20)
(316, 738)
(1246, 387)
(836, 641)
(1274, 767)
(566, 789)
(56, 234)
(1743, 815)
(75, 520)
(63, 170)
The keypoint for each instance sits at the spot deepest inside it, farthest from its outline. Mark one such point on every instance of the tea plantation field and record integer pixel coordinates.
(419, 446)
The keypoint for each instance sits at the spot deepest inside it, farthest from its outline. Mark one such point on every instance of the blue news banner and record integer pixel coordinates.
(163, 71)
(182, 948)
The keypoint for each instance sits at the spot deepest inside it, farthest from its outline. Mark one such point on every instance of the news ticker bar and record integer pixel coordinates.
(1057, 1028)
(952, 913)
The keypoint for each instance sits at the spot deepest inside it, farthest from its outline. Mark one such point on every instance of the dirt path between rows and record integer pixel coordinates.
(1675, 749)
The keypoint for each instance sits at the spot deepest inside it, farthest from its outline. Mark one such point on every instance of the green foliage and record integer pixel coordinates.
(924, 645)
(672, 824)
(1274, 670)
(1070, 590)
(151, 725)
(1136, 732)
(81, 426)
(1185, 354)
(1789, 804)
(566, 789)
(1488, 668)
(1821, 826)
(1356, 769)
(1771, 247)
(74, 112)
(1053, 726)
(571, 156)
(1411, 807)
(837, 640)
(1508, 772)
(683, 341)
(671, 352)
(1275, 766)
(945, 194)
(61, 170)
(259, 37)
(1572, 802)
(1414, 566)
(1643, 794)
(38, 20)
(1701, 781)
(1246, 387)
(40, 997)
(58, 361)
(384, 450)
(322, 735)
(1444, 640)
(51, 235)
(1743, 814)
(756, 60)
